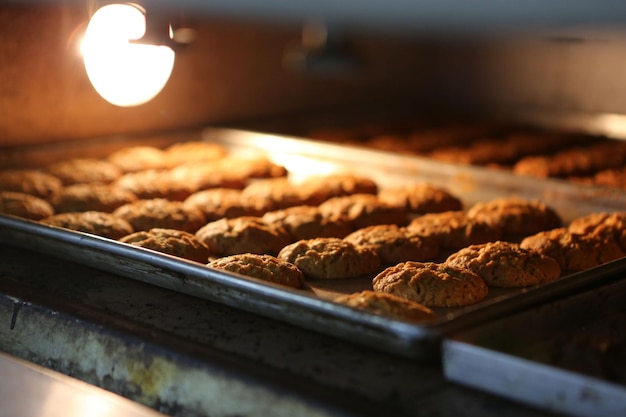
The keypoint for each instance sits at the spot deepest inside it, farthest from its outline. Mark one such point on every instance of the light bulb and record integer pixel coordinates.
(122, 72)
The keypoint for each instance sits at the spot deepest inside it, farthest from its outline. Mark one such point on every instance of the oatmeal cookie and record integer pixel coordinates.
(154, 183)
(517, 217)
(170, 241)
(364, 210)
(264, 267)
(24, 205)
(421, 198)
(573, 252)
(93, 222)
(204, 176)
(395, 244)
(138, 158)
(330, 258)
(321, 188)
(387, 305)
(308, 222)
(30, 181)
(247, 234)
(85, 170)
(161, 213)
(91, 197)
(454, 229)
(432, 284)
(607, 225)
(216, 203)
(506, 264)
(250, 166)
(193, 151)
(279, 192)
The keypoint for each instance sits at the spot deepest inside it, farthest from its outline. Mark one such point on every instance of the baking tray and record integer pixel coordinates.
(312, 307)
(565, 356)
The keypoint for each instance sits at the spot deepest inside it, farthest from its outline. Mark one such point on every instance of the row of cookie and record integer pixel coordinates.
(95, 192)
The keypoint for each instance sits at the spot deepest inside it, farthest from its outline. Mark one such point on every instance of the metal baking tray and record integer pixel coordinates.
(312, 307)
(565, 356)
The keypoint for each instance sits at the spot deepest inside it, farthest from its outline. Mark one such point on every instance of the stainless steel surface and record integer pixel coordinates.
(29, 390)
(562, 356)
(311, 308)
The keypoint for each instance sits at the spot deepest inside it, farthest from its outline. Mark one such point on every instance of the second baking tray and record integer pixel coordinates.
(312, 307)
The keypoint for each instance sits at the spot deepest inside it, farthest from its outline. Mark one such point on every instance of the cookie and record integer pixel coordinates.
(321, 188)
(173, 242)
(432, 284)
(609, 225)
(395, 244)
(364, 210)
(193, 151)
(258, 166)
(207, 175)
(25, 206)
(216, 203)
(93, 222)
(264, 267)
(279, 192)
(91, 197)
(30, 181)
(154, 183)
(421, 198)
(506, 264)
(517, 217)
(308, 222)
(138, 158)
(387, 305)
(573, 252)
(330, 258)
(161, 213)
(454, 229)
(245, 234)
(85, 170)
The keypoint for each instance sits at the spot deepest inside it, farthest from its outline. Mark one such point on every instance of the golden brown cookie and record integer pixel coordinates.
(364, 210)
(607, 225)
(91, 197)
(24, 205)
(93, 222)
(153, 183)
(193, 151)
(138, 158)
(245, 234)
(432, 284)
(516, 216)
(573, 252)
(161, 213)
(395, 244)
(264, 267)
(279, 192)
(216, 203)
(454, 229)
(170, 241)
(421, 198)
(387, 305)
(85, 170)
(30, 181)
(250, 166)
(321, 188)
(330, 258)
(207, 175)
(506, 264)
(308, 222)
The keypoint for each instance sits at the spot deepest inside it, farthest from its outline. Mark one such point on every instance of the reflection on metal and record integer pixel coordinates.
(29, 390)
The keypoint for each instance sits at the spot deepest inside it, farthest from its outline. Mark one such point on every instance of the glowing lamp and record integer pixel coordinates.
(124, 72)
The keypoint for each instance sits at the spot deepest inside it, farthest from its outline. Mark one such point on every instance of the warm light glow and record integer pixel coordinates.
(124, 73)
